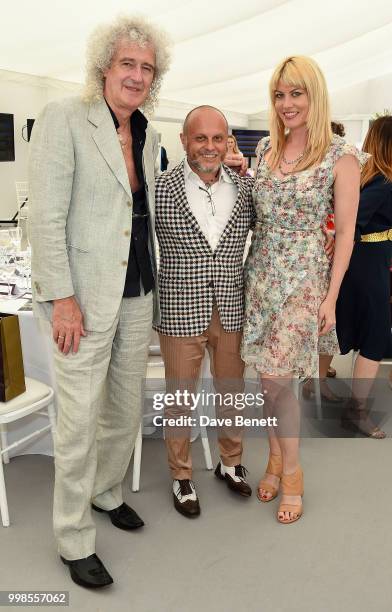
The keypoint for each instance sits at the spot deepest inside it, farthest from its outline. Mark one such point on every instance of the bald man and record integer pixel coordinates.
(203, 215)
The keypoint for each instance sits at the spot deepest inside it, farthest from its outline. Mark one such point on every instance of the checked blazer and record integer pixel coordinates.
(192, 275)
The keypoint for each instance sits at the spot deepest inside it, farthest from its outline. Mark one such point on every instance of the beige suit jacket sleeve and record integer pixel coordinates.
(51, 171)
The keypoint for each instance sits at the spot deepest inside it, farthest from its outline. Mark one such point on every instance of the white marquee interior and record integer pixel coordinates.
(224, 50)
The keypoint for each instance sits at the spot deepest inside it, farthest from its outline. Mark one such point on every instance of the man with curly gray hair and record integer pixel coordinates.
(94, 276)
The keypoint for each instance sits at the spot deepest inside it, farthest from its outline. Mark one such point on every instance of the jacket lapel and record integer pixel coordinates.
(148, 161)
(238, 206)
(176, 184)
(107, 142)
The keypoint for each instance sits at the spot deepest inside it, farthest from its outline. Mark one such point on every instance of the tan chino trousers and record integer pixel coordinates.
(183, 358)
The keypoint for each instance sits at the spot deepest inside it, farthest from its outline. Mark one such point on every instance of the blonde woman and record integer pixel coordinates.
(232, 146)
(303, 173)
(234, 158)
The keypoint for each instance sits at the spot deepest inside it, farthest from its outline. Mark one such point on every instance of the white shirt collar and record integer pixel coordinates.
(191, 175)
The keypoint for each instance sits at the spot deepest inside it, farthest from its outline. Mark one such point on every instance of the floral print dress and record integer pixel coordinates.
(287, 272)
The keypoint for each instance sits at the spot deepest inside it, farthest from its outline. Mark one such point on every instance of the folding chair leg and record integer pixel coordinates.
(52, 418)
(4, 444)
(206, 445)
(206, 448)
(137, 458)
(353, 360)
(296, 383)
(317, 397)
(3, 496)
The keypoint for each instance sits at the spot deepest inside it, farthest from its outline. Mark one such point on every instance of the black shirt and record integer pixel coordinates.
(139, 267)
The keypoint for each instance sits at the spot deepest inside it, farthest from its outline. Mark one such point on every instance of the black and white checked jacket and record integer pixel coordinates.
(191, 275)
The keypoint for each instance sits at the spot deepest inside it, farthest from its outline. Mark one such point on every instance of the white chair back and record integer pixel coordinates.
(22, 197)
(22, 200)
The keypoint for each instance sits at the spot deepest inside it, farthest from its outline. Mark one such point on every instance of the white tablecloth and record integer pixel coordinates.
(38, 363)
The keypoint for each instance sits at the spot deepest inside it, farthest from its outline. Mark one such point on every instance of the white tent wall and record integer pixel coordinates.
(355, 129)
(23, 96)
(170, 139)
(23, 100)
(225, 60)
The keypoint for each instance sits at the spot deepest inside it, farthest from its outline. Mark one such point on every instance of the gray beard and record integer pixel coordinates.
(203, 169)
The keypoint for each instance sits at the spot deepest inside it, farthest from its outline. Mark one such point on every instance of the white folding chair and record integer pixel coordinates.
(22, 201)
(35, 399)
(155, 372)
(156, 376)
(22, 193)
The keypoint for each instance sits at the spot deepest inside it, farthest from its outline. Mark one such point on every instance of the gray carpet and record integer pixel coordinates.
(235, 556)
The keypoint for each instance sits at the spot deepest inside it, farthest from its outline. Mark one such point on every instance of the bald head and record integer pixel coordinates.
(200, 110)
(204, 139)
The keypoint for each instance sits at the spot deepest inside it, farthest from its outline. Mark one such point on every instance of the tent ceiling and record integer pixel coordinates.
(224, 49)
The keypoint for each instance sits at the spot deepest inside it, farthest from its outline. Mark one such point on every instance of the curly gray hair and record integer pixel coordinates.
(102, 45)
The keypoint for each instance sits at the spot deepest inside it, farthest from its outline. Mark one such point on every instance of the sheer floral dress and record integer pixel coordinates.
(287, 272)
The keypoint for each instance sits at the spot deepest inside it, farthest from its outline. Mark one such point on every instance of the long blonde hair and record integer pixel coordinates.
(303, 72)
(378, 143)
(235, 148)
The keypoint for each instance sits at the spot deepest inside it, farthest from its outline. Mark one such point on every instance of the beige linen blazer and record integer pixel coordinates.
(80, 207)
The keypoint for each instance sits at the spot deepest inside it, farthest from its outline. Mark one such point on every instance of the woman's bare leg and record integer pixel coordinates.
(324, 363)
(274, 446)
(282, 403)
(326, 393)
(365, 371)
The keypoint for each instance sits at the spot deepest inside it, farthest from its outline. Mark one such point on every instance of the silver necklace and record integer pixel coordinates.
(282, 171)
(290, 162)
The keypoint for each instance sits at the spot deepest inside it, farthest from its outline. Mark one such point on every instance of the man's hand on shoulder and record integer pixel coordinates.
(237, 163)
(67, 324)
(329, 245)
(244, 166)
